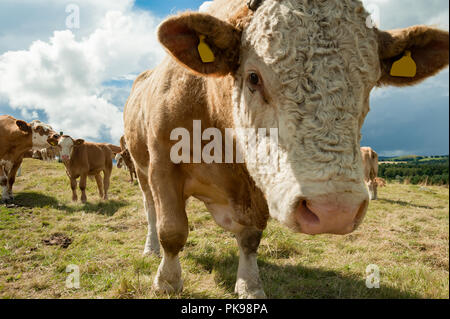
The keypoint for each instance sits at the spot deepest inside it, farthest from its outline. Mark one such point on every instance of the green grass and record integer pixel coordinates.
(405, 233)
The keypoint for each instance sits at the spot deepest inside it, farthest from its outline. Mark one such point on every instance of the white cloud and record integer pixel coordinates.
(64, 77)
(25, 21)
(204, 6)
(440, 20)
(404, 13)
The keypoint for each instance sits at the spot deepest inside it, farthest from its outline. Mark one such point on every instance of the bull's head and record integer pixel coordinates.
(306, 68)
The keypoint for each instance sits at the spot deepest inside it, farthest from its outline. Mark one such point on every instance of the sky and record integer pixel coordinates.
(76, 74)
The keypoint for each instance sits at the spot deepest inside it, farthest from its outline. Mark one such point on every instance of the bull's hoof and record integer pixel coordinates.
(164, 287)
(246, 293)
(74, 199)
(84, 200)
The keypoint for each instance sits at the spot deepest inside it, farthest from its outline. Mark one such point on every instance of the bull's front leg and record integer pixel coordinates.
(83, 180)
(248, 284)
(172, 224)
(152, 241)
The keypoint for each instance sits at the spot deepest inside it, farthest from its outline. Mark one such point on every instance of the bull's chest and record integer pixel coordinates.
(218, 203)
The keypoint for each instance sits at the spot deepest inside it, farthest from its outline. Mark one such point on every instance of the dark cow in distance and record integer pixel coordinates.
(83, 159)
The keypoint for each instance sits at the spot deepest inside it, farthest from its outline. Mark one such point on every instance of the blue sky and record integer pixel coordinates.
(164, 8)
(78, 79)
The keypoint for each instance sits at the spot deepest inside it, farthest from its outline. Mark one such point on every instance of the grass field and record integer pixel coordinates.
(405, 233)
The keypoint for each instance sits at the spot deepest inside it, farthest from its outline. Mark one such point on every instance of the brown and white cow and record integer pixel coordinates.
(83, 159)
(124, 159)
(16, 138)
(370, 167)
(304, 68)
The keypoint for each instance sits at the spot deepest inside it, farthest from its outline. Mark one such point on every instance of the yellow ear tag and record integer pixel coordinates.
(405, 67)
(205, 51)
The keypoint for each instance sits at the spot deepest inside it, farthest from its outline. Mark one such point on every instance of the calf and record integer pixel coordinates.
(83, 159)
(370, 166)
(301, 69)
(124, 159)
(17, 138)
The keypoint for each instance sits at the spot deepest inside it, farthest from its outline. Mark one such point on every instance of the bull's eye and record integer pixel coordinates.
(253, 78)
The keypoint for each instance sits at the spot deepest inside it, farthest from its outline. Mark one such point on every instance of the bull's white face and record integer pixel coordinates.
(40, 134)
(66, 144)
(307, 68)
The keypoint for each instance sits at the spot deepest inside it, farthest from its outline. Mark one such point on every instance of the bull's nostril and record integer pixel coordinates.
(308, 215)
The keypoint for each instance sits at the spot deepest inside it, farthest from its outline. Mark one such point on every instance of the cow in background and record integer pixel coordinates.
(381, 182)
(123, 159)
(50, 153)
(370, 166)
(83, 159)
(46, 154)
(17, 138)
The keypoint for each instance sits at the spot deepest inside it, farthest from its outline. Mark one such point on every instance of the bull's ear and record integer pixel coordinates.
(180, 35)
(23, 126)
(79, 142)
(429, 50)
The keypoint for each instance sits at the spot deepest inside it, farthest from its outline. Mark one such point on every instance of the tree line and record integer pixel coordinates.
(432, 172)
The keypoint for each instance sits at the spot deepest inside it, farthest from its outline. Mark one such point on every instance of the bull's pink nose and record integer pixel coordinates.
(324, 216)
